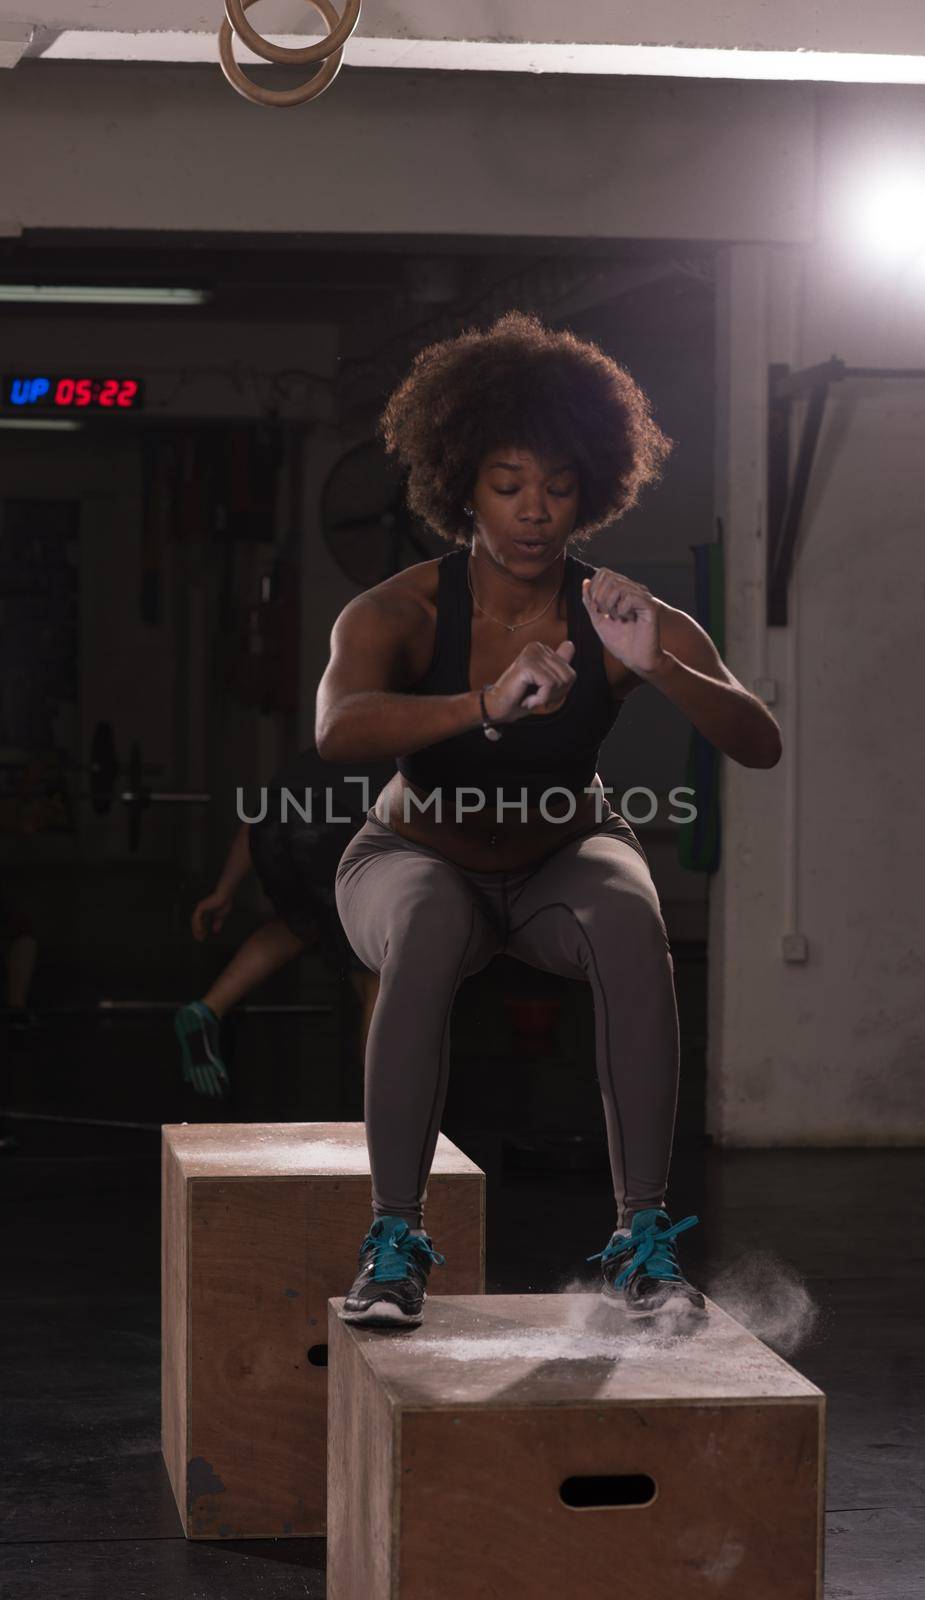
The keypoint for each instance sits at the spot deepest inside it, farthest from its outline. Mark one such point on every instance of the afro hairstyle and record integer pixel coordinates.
(520, 384)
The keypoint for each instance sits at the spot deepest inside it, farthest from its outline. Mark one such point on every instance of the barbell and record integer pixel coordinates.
(104, 770)
(42, 799)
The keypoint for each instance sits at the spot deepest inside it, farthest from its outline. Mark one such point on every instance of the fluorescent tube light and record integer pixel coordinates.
(51, 425)
(99, 294)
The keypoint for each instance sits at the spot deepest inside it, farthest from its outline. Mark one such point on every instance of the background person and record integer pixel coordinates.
(295, 861)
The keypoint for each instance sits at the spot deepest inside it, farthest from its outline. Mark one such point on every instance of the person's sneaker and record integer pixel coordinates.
(640, 1268)
(197, 1029)
(388, 1291)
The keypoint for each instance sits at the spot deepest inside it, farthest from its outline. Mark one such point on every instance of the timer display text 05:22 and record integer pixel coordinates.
(72, 394)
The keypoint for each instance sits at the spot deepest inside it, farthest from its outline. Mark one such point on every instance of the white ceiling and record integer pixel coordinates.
(837, 40)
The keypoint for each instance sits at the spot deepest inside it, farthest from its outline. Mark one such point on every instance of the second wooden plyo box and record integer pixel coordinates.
(262, 1222)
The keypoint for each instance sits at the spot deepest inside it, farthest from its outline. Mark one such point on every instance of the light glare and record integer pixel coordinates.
(892, 216)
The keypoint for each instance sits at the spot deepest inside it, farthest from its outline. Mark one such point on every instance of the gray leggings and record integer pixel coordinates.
(589, 911)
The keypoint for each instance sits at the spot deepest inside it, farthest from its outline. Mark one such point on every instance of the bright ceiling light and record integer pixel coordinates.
(99, 294)
(56, 425)
(892, 215)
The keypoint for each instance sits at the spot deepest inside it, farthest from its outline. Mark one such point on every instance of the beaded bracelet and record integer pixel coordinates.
(488, 727)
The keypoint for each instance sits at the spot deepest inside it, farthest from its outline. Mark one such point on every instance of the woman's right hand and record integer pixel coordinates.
(538, 678)
(214, 908)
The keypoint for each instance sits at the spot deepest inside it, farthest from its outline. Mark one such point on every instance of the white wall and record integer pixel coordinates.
(160, 147)
(830, 1051)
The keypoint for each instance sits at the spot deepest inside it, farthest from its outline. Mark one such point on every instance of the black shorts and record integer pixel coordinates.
(296, 859)
(295, 863)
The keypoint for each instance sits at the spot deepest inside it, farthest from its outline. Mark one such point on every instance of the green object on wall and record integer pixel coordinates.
(699, 840)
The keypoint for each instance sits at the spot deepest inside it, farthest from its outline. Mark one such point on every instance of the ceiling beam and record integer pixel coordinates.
(814, 40)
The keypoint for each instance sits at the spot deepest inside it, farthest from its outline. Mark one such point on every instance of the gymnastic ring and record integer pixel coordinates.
(259, 96)
(341, 29)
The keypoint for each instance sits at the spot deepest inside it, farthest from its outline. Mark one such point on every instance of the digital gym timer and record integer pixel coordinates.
(63, 394)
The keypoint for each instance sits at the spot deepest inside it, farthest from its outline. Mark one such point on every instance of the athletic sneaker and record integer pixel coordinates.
(197, 1028)
(388, 1291)
(640, 1268)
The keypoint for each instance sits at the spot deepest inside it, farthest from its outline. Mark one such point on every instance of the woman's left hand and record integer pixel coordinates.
(626, 617)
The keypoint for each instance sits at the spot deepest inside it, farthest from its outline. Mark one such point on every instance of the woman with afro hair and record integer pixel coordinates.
(492, 675)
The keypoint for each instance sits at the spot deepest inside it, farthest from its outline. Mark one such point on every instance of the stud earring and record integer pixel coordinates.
(468, 510)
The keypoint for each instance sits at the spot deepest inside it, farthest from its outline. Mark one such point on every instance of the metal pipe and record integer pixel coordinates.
(153, 1008)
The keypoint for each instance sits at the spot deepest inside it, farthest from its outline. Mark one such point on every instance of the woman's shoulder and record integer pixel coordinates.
(411, 592)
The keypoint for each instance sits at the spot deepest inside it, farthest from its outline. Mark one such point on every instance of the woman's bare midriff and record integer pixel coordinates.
(518, 842)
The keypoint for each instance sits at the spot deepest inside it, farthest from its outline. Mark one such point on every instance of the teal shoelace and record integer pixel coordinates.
(392, 1249)
(653, 1249)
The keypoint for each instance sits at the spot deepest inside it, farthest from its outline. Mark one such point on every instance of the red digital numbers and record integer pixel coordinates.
(108, 392)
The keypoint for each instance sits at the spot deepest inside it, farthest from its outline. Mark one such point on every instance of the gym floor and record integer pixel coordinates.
(86, 1506)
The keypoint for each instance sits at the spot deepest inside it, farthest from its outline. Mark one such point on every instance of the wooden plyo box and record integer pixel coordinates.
(261, 1224)
(544, 1447)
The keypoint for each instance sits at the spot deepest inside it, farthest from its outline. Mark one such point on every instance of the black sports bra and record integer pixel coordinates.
(558, 750)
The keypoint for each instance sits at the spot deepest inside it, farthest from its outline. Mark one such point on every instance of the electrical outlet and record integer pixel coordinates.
(794, 947)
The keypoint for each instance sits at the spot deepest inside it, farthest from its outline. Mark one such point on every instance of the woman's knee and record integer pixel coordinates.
(422, 913)
(434, 917)
(629, 919)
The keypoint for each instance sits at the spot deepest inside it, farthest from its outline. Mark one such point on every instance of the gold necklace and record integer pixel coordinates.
(510, 625)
